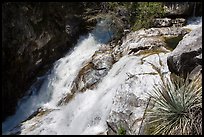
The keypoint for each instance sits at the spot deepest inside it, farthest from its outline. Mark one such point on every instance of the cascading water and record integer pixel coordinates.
(193, 23)
(58, 83)
(88, 111)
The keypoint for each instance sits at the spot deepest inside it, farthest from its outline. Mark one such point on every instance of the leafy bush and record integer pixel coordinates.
(141, 13)
(177, 108)
(121, 131)
(146, 12)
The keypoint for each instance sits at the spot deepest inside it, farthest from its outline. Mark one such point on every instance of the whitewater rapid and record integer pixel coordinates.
(88, 111)
(58, 83)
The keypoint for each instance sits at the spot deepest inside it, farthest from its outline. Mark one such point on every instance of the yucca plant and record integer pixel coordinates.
(177, 108)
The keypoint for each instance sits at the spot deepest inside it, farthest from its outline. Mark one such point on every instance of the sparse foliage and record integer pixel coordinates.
(121, 131)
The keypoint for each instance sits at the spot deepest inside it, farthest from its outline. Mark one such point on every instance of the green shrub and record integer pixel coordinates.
(113, 5)
(177, 108)
(121, 131)
(141, 13)
(146, 12)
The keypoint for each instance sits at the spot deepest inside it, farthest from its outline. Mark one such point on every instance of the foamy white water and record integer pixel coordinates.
(87, 112)
(193, 23)
(57, 84)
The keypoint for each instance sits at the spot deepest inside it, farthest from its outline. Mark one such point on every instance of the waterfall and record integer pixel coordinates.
(88, 111)
(193, 23)
(58, 83)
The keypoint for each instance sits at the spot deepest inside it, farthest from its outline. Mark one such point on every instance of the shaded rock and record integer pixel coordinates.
(182, 9)
(188, 53)
(178, 8)
(168, 22)
(42, 40)
(162, 22)
(73, 24)
(196, 72)
(179, 22)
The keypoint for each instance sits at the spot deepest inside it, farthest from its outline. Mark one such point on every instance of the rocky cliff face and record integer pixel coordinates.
(34, 35)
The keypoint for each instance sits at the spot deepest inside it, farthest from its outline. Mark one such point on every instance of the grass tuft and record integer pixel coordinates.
(177, 108)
